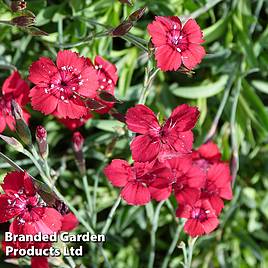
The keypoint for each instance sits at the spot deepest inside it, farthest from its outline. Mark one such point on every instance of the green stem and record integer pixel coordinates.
(11, 162)
(148, 80)
(153, 234)
(235, 157)
(87, 191)
(60, 31)
(6, 22)
(204, 9)
(110, 216)
(190, 251)
(216, 120)
(95, 189)
(134, 41)
(172, 246)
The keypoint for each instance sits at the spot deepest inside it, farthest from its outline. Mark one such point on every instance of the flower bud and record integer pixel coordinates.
(41, 138)
(21, 127)
(23, 21)
(135, 16)
(18, 6)
(78, 142)
(122, 29)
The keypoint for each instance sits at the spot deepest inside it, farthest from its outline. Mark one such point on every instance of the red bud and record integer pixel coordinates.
(78, 141)
(41, 133)
(41, 138)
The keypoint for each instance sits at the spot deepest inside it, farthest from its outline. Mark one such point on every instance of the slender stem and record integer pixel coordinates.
(110, 216)
(11, 162)
(257, 13)
(70, 261)
(205, 8)
(87, 190)
(153, 233)
(94, 203)
(172, 210)
(235, 157)
(216, 120)
(172, 245)
(134, 41)
(24, 162)
(148, 80)
(60, 31)
(107, 263)
(5, 22)
(190, 251)
(75, 211)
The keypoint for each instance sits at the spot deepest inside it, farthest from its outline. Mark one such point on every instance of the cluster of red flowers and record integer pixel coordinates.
(65, 89)
(31, 215)
(164, 163)
(62, 90)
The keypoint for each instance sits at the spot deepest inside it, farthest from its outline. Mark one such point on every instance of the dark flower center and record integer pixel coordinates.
(177, 39)
(199, 214)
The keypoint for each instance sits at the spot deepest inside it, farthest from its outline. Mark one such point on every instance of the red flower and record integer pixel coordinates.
(201, 218)
(176, 44)
(58, 89)
(218, 186)
(206, 155)
(139, 182)
(187, 180)
(69, 222)
(14, 88)
(73, 124)
(21, 202)
(174, 137)
(107, 77)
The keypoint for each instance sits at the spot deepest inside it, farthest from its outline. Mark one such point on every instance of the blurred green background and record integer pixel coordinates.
(230, 88)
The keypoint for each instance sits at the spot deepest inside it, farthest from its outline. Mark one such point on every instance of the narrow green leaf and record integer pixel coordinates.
(260, 85)
(202, 91)
(216, 30)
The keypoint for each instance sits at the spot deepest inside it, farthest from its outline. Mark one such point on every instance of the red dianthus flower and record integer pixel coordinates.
(176, 44)
(206, 155)
(202, 219)
(173, 137)
(21, 203)
(140, 182)
(59, 88)
(187, 180)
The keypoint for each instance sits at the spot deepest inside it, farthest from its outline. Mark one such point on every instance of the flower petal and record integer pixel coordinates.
(141, 119)
(119, 172)
(41, 71)
(136, 194)
(144, 148)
